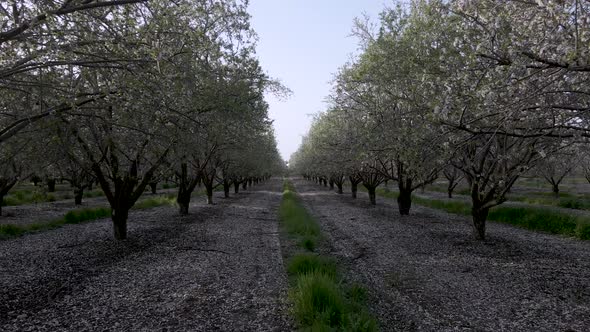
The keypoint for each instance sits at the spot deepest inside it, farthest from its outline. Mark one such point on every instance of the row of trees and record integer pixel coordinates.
(484, 90)
(127, 92)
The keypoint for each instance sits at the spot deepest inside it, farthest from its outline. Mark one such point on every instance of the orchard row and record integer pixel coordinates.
(486, 90)
(125, 93)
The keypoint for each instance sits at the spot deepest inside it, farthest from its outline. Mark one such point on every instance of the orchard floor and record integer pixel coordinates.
(221, 269)
(218, 269)
(424, 273)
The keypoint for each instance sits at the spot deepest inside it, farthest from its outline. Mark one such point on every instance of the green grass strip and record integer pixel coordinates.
(321, 301)
(537, 219)
(78, 216)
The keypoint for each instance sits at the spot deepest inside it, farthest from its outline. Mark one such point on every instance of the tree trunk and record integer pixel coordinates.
(119, 217)
(339, 185)
(183, 199)
(555, 189)
(451, 187)
(250, 182)
(51, 185)
(353, 189)
(372, 195)
(479, 222)
(78, 194)
(331, 185)
(154, 187)
(236, 187)
(244, 185)
(209, 194)
(1, 203)
(404, 202)
(226, 187)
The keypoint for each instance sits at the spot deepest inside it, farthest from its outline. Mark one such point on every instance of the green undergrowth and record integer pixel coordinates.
(297, 221)
(26, 196)
(155, 202)
(78, 216)
(37, 195)
(533, 218)
(321, 301)
(565, 200)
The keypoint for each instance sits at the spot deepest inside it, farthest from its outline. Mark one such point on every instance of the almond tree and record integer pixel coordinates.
(454, 177)
(556, 167)
(506, 107)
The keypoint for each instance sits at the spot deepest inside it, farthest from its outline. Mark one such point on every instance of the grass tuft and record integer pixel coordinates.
(155, 202)
(307, 263)
(81, 215)
(10, 231)
(318, 301)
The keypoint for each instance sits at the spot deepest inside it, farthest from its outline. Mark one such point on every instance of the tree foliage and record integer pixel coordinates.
(491, 88)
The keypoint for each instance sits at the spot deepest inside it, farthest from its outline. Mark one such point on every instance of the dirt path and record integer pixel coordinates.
(218, 269)
(425, 273)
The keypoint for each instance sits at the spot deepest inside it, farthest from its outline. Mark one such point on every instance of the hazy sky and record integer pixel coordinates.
(303, 43)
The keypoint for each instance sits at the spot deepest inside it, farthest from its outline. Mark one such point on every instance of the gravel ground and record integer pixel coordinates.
(218, 269)
(423, 272)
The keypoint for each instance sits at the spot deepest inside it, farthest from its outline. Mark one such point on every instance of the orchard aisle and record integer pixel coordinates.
(424, 272)
(219, 268)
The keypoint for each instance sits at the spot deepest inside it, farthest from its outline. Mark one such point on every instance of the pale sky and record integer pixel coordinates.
(303, 43)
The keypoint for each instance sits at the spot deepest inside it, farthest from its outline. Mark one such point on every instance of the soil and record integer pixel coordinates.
(217, 269)
(423, 272)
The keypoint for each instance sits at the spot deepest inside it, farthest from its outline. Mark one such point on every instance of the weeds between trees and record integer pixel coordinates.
(536, 219)
(320, 300)
(78, 216)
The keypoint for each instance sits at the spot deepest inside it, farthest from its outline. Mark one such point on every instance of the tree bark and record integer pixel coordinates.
(244, 185)
(186, 186)
(404, 202)
(183, 199)
(51, 185)
(209, 189)
(119, 217)
(331, 185)
(78, 195)
(353, 189)
(450, 193)
(236, 187)
(154, 187)
(226, 187)
(372, 195)
(5, 186)
(339, 185)
(555, 189)
(479, 222)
